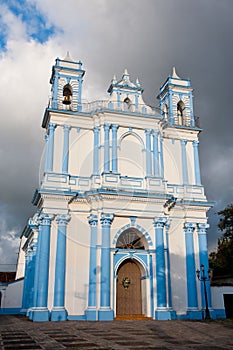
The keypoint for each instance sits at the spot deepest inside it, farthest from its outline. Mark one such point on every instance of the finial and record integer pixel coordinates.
(137, 82)
(174, 75)
(126, 72)
(114, 80)
(68, 57)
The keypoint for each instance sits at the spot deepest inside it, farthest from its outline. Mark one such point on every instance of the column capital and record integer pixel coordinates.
(115, 127)
(183, 141)
(148, 131)
(195, 143)
(189, 227)
(93, 220)
(160, 222)
(96, 128)
(155, 132)
(106, 126)
(201, 228)
(63, 219)
(66, 127)
(106, 219)
(52, 126)
(46, 219)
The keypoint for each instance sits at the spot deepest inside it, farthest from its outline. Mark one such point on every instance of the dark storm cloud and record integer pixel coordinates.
(148, 38)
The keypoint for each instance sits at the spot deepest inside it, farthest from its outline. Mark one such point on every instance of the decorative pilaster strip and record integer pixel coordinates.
(114, 148)
(184, 162)
(148, 152)
(190, 265)
(161, 157)
(65, 158)
(155, 153)
(96, 151)
(196, 163)
(50, 144)
(106, 148)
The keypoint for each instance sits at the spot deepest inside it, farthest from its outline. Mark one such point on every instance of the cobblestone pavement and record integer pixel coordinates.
(17, 332)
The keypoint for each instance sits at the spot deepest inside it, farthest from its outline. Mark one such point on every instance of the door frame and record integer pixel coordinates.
(145, 280)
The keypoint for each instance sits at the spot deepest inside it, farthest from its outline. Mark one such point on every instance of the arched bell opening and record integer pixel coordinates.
(67, 93)
(181, 113)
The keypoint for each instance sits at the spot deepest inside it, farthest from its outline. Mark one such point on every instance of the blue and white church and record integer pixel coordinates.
(121, 222)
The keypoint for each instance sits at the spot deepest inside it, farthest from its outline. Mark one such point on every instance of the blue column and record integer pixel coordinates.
(191, 109)
(50, 147)
(46, 153)
(36, 274)
(118, 99)
(65, 158)
(59, 312)
(96, 151)
(136, 102)
(161, 157)
(160, 262)
(148, 152)
(114, 148)
(91, 314)
(191, 271)
(203, 257)
(106, 148)
(196, 163)
(184, 162)
(171, 113)
(55, 91)
(105, 313)
(167, 226)
(41, 312)
(155, 153)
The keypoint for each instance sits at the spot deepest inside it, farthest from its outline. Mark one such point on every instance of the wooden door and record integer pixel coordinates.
(129, 296)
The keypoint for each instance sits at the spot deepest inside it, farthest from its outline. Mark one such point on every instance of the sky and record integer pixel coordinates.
(148, 38)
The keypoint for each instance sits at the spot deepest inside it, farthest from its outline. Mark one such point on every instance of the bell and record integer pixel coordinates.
(67, 100)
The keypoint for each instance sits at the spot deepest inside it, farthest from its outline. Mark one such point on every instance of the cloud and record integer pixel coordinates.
(147, 38)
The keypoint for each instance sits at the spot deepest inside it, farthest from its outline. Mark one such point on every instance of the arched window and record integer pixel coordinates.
(127, 104)
(165, 111)
(180, 113)
(67, 93)
(131, 238)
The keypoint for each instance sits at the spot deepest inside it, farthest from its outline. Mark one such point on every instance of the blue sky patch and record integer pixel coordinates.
(37, 26)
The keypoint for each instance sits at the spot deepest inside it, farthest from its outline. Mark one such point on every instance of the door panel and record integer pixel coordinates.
(129, 297)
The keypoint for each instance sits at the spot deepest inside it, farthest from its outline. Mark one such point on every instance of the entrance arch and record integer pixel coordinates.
(129, 291)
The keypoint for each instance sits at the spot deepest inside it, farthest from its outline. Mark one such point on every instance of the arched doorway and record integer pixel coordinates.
(129, 294)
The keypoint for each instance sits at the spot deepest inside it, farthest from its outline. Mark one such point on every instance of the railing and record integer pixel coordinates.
(104, 105)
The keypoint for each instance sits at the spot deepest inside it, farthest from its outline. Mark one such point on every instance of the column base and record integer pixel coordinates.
(194, 314)
(105, 314)
(58, 314)
(40, 314)
(91, 314)
(163, 315)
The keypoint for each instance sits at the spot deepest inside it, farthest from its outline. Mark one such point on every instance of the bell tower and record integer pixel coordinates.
(66, 80)
(176, 104)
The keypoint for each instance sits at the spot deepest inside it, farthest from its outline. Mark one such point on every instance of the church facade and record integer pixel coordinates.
(121, 226)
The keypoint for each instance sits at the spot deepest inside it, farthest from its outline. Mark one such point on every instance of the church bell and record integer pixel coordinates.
(67, 93)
